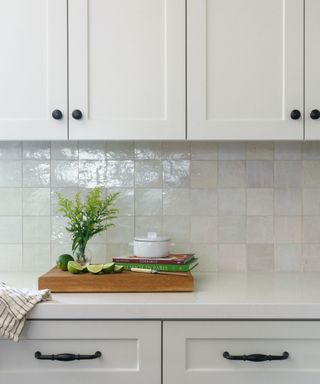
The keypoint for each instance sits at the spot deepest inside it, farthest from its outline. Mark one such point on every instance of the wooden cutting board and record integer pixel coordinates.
(61, 281)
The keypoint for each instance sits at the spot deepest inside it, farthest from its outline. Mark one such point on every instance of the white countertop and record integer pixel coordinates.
(216, 296)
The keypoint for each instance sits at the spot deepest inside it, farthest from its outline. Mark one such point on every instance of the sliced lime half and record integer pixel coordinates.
(95, 268)
(108, 268)
(118, 268)
(74, 267)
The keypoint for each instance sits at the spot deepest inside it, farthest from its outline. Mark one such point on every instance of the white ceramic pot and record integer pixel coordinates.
(151, 246)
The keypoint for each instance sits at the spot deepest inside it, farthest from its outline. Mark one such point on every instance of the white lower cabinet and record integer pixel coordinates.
(130, 353)
(193, 352)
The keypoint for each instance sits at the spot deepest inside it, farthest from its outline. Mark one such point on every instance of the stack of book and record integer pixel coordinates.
(171, 263)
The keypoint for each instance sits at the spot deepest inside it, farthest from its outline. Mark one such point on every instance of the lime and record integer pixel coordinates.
(95, 268)
(74, 267)
(118, 268)
(63, 260)
(108, 268)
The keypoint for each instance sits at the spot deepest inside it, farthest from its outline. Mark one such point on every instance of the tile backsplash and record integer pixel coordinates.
(240, 206)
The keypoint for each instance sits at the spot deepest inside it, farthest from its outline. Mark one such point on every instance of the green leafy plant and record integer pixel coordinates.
(87, 218)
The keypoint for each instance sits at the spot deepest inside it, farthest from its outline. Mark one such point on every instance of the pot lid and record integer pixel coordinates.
(152, 236)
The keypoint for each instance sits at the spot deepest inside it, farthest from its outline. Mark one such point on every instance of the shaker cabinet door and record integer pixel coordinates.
(245, 69)
(33, 75)
(127, 69)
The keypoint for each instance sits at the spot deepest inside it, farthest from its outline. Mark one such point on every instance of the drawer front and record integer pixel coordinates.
(193, 352)
(130, 352)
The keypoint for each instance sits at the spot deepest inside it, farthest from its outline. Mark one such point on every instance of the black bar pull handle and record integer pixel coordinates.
(256, 357)
(67, 356)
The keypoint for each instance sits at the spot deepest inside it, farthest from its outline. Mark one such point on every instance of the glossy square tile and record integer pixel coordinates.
(92, 173)
(36, 202)
(311, 201)
(59, 234)
(259, 150)
(97, 252)
(231, 201)
(36, 257)
(311, 259)
(64, 150)
(204, 174)
(36, 229)
(10, 201)
(311, 173)
(120, 150)
(36, 150)
(260, 257)
(64, 173)
(207, 255)
(232, 174)
(232, 150)
(148, 201)
(287, 174)
(10, 229)
(92, 150)
(311, 150)
(11, 257)
(288, 258)
(36, 173)
(123, 230)
(204, 229)
(176, 201)
(232, 257)
(260, 174)
(232, 229)
(260, 201)
(176, 150)
(145, 224)
(176, 173)
(10, 173)
(125, 201)
(177, 228)
(66, 192)
(204, 150)
(287, 150)
(148, 150)
(116, 250)
(203, 202)
(288, 202)
(148, 174)
(260, 229)
(288, 229)
(10, 150)
(120, 173)
(311, 229)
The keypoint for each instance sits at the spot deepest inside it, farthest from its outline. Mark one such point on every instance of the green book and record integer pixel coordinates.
(163, 267)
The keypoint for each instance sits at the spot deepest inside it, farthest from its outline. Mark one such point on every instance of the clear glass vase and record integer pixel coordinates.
(81, 256)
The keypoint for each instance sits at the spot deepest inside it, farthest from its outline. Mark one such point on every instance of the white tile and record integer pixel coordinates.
(59, 234)
(10, 173)
(97, 253)
(204, 150)
(232, 258)
(259, 201)
(204, 174)
(231, 202)
(36, 257)
(11, 257)
(288, 229)
(10, 201)
(288, 201)
(116, 250)
(36, 173)
(66, 192)
(260, 257)
(10, 150)
(311, 201)
(147, 150)
(64, 150)
(259, 150)
(120, 173)
(311, 173)
(203, 202)
(311, 229)
(203, 229)
(36, 201)
(120, 150)
(287, 150)
(36, 150)
(125, 201)
(232, 229)
(311, 257)
(259, 229)
(10, 229)
(148, 201)
(176, 201)
(92, 150)
(58, 249)
(177, 228)
(311, 150)
(64, 173)
(207, 255)
(123, 230)
(145, 224)
(288, 258)
(287, 174)
(260, 174)
(232, 150)
(148, 174)
(36, 229)
(176, 150)
(92, 173)
(231, 174)
(176, 173)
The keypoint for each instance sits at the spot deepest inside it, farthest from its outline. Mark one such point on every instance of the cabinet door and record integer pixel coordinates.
(130, 353)
(245, 69)
(33, 75)
(127, 69)
(193, 352)
(312, 65)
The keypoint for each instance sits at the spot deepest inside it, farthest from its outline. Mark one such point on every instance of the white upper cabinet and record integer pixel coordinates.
(127, 69)
(312, 68)
(33, 69)
(245, 69)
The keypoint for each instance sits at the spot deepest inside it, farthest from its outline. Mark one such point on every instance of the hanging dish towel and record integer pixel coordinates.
(14, 305)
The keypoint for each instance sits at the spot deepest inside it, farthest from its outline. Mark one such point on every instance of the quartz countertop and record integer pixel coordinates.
(216, 296)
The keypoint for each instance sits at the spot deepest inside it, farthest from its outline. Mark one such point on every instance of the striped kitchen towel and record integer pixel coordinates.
(14, 305)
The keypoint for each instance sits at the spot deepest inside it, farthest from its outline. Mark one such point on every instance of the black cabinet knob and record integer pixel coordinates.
(295, 114)
(315, 114)
(77, 114)
(57, 114)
